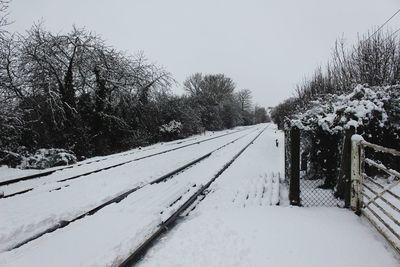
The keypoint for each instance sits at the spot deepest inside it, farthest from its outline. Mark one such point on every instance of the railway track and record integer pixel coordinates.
(189, 204)
(120, 197)
(36, 176)
(46, 173)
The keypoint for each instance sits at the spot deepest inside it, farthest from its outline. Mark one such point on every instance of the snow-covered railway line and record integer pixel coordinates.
(187, 205)
(64, 223)
(110, 237)
(40, 174)
(33, 215)
(21, 185)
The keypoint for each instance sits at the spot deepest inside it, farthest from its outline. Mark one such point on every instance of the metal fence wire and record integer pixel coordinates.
(304, 191)
(312, 194)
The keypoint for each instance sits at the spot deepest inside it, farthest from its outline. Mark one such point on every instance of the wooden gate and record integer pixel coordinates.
(375, 188)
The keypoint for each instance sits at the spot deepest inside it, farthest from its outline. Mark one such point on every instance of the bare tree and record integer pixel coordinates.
(4, 21)
(193, 84)
(260, 115)
(217, 87)
(245, 99)
(213, 88)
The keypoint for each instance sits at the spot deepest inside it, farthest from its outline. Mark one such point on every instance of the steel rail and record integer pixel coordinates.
(64, 223)
(46, 173)
(119, 164)
(167, 224)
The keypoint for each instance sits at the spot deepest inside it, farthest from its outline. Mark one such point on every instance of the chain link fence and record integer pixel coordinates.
(304, 190)
(312, 194)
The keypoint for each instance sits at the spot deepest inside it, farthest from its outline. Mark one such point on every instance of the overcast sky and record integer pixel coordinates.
(266, 46)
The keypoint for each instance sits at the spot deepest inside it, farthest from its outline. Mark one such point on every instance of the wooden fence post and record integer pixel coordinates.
(343, 188)
(294, 186)
(356, 180)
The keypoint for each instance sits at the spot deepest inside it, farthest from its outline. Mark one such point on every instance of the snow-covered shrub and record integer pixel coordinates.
(10, 159)
(327, 103)
(171, 130)
(335, 113)
(374, 112)
(47, 158)
(171, 127)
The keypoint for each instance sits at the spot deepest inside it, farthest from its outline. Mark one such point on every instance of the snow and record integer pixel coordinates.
(357, 138)
(122, 225)
(312, 195)
(45, 158)
(35, 211)
(7, 173)
(335, 113)
(224, 232)
(351, 123)
(238, 223)
(379, 193)
(171, 127)
(99, 162)
(271, 236)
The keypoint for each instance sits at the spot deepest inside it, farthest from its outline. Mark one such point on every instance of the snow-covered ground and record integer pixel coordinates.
(271, 236)
(7, 173)
(238, 223)
(103, 162)
(12, 173)
(234, 226)
(109, 235)
(47, 205)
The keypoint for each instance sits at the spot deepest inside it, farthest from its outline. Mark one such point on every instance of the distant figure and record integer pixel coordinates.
(276, 142)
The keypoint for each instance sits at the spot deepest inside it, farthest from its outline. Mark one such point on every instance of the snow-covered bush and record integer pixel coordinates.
(374, 112)
(41, 159)
(10, 159)
(328, 103)
(171, 130)
(47, 158)
(171, 127)
(335, 113)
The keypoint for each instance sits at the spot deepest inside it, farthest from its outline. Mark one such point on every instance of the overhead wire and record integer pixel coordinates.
(383, 25)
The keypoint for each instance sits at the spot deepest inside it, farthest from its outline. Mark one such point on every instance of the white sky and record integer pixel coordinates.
(266, 46)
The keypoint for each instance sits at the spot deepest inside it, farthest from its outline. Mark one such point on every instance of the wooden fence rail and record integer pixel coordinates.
(375, 198)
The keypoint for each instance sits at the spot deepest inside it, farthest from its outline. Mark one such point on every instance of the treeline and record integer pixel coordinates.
(73, 91)
(373, 61)
(215, 103)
